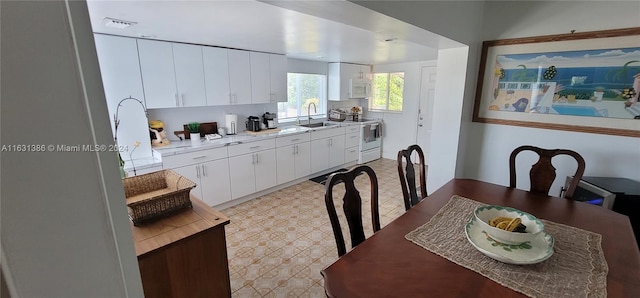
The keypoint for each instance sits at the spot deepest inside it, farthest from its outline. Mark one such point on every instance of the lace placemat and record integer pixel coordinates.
(577, 267)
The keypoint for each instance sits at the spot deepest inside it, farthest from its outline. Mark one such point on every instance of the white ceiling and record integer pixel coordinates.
(331, 31)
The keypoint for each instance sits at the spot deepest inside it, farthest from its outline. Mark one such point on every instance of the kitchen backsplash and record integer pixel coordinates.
(175, 118)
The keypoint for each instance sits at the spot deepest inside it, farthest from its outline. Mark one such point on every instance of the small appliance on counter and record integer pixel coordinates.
(269, 120)
(231, 122)
(157, 134)
(253, 123)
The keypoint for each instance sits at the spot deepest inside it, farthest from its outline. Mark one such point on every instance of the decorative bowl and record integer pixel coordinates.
(485, 213)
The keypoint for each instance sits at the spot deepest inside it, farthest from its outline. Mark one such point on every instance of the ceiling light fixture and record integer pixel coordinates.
(119, 24)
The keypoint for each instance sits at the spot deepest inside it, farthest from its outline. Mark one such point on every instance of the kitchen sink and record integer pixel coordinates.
(312, 125)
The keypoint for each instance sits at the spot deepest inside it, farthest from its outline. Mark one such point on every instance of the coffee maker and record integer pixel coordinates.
(269, 120)
(253, 123)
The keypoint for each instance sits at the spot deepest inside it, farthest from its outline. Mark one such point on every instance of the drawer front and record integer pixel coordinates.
(350, 154)
(352, 129)
(185, 159)
(294, 139)
(240, 149)
(352, 139)
(327, 133)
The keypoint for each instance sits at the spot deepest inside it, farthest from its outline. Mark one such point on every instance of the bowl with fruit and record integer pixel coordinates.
(508, 225)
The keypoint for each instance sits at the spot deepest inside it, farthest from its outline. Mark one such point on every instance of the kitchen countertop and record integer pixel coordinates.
(185, 146)
(144, 163)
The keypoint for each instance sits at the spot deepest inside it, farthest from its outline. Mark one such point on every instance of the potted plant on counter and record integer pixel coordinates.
(194, 132)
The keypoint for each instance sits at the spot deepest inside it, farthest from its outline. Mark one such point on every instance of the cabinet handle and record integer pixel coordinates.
(257, 158)
(253, 159)
(294, 140)
(198, 171)
(176, 97)
(330, 142)
(204, 170)
(182, 99)
(254, 147)
(199, 157)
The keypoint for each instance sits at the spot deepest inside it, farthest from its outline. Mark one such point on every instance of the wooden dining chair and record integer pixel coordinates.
(407, 175)
(352, 206)
(543, 173)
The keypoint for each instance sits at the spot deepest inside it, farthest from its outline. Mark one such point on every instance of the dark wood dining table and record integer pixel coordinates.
(412, 271)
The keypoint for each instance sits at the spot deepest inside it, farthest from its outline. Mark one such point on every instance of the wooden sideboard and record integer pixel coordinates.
(184, 255)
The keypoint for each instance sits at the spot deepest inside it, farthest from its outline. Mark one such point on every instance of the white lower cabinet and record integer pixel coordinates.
(209, 169)
(252, 167)
(352, 142)
(327, 149)
(293, 157)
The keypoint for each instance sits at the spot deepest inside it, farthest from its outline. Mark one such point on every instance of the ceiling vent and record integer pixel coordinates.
(119, 24)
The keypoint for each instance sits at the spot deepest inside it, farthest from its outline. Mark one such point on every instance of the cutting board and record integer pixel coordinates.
(263, 131)
(205, 129)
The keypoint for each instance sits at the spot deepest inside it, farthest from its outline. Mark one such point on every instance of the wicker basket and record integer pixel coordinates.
(156, 195)
(339, 116)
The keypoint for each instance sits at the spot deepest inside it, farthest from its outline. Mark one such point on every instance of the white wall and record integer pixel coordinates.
(400, 127)
(65, 231)
(482, 150)
(455, 81)
(605, 155)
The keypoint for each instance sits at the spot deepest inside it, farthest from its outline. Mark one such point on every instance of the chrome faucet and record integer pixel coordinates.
(315, 110)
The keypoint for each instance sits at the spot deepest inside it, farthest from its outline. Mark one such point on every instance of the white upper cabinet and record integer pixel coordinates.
(216, 75)
(189, 75)
(158, 73)
(172, 74)
(120, 70)
(260, 82)
(239, 77)
(278, 70)
(341, 76)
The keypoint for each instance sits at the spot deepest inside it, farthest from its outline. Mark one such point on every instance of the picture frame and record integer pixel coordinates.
(584, 82)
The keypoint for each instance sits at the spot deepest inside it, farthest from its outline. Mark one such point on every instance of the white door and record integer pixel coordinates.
(303, 159)
(216, 75)
(242, 175)
(260, 81)
(265, 169)
(425, 110)
(158, 73)
(278, 76)
(239, 76)
(320, 153)
(215, 183)
(336, 151)
(193, 173)
(189, 75)
(286, 163)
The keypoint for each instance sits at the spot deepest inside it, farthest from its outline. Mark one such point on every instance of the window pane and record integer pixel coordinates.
(388, 91)
(302, 90)
(396, 91)
(379, 101)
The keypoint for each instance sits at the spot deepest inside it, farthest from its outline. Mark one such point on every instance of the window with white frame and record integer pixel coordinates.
(302, 90)
(388, 92)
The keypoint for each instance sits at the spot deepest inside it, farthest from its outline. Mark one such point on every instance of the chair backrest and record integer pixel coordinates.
(408, 176)
(543, 173)
(352, 205)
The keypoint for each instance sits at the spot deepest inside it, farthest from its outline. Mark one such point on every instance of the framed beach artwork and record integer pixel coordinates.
(587, 82)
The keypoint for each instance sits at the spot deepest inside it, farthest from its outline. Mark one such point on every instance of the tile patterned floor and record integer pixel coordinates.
(278, 243)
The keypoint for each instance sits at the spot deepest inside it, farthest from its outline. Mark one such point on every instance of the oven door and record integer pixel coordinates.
(369, 137)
